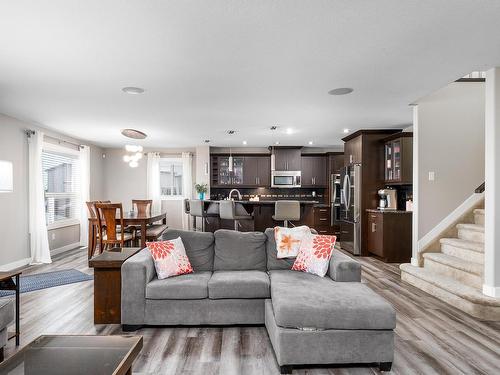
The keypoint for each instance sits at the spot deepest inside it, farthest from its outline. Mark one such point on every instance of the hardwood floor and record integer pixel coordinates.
(431, 336)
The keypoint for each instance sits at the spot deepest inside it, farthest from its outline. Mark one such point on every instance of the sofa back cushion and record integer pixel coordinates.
(199, 247)
(235, 251)
(273, 262)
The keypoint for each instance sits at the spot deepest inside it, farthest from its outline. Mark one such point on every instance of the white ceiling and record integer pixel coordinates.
(209, 66)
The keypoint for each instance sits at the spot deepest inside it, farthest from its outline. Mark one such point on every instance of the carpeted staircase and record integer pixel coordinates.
(454, 273)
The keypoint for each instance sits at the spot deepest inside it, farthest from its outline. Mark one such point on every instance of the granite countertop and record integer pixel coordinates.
(376, 210)
(264, 202)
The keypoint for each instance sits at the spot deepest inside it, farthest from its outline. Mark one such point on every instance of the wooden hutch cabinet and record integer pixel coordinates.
(398, 156)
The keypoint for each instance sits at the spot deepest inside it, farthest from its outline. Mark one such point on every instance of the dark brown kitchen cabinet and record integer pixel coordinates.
(314, 171)
(287, 159)
(221, 174)
(389, 235)
(257, 171)
(336, 162)
(322, 220)
(398, 158)
(353, 151)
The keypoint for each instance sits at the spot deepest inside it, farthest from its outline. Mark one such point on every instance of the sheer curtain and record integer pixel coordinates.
(153, 180)
(39, 241)
(84, 160)
(187, 185)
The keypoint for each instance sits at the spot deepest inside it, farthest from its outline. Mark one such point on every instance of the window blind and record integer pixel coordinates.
(61, 180)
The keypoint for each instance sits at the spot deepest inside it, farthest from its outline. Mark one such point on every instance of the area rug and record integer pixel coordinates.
(45, 280)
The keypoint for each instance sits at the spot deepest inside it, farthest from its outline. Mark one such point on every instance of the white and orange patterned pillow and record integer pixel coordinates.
(288, 240)
(170, 258)
(314, 254)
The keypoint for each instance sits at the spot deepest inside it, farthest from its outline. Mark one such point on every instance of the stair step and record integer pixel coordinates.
(449, 290)
(479, 216)
(466, 250)
(471, 232)
(468, 273)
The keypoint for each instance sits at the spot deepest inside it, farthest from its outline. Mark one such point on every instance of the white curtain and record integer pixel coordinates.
(153, 180)
(187, 185)
(85, 193)
(39, 241)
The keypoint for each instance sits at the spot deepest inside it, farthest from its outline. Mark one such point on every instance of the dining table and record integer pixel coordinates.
(129, 218)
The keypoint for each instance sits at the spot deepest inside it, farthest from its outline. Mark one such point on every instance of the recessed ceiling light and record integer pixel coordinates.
(341, 91)
(277, 143)
(274, 127)
(310, 142)
(231, 132)
(207, 141)
(244, 142)
(346, 131)
(133, 90)
(134, 134)
(289, 130)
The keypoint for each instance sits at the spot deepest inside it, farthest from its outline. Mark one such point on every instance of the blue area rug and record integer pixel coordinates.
(48, 280)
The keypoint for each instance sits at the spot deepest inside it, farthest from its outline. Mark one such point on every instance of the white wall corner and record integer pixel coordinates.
(414, 259)
(491, 291)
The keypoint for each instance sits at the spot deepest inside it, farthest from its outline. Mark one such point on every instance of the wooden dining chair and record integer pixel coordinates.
(110, 226)
(92, 228)
(144, 208)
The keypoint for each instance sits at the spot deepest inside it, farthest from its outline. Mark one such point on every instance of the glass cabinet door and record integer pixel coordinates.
(389, 167)
(237, 175)
(397, 160)
(224, 174)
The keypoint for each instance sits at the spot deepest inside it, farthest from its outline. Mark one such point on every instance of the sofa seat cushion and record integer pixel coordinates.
(188, 286)
(303, 300)
(6, 312)
(239, 284)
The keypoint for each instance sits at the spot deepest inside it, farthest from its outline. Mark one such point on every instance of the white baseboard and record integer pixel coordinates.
(491, 291)
(14, 265)
(461, 210)
(60, 250)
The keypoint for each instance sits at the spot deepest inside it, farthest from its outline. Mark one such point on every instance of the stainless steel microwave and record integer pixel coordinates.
(285, 179)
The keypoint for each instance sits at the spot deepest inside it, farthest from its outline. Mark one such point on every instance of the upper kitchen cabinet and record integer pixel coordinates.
(287, 159)
(257, 171)
(353, 150)
(314, 171)
(221, 174)
(398, 159)
(335, 162)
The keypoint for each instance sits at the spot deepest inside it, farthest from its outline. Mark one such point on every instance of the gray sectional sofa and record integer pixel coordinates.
(238, 279)
(6, 318)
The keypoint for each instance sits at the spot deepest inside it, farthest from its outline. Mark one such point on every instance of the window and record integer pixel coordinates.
(171, 177)
(61, 184)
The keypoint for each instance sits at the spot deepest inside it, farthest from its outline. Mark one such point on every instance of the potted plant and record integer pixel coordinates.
(201, 189)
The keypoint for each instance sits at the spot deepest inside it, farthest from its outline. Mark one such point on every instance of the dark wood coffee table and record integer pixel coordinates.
(75, 355)
(108, 283)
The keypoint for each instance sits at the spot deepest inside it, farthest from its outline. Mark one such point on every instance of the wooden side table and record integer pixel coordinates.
(10, 281)
(108, 283)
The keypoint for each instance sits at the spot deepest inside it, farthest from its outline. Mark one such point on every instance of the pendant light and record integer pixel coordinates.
(230, 161)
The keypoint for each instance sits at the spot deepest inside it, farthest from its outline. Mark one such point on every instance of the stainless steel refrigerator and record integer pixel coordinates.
(350, 208)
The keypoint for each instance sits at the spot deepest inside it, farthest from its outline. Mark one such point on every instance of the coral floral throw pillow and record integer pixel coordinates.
(314, 254)
(170, 258)
(288, 240)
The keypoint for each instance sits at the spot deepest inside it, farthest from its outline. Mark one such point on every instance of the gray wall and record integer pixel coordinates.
(451, 144)
(122, 183)
(14, 206)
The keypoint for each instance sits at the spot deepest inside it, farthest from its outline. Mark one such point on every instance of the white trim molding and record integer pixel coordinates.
(65, 248)
(13, 265)
(491, 291)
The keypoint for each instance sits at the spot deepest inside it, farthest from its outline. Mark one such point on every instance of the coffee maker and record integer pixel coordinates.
(388, 199)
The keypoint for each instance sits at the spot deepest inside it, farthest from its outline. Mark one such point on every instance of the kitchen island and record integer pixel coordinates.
(262, 212)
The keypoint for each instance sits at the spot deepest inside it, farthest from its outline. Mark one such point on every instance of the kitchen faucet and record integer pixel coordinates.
(237, 191)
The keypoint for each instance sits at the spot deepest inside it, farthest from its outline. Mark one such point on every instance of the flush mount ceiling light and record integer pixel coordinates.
(346, 131)
(134, 134)
(133, 90)
(310, 142)
(341, 91)
(289, 131)
(245, 142)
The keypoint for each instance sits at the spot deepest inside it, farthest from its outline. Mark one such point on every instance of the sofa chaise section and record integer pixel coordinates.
(6, 317)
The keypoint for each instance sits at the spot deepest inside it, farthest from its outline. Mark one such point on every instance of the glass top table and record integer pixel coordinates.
(75, 355)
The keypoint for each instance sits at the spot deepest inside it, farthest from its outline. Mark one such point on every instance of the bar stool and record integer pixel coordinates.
(286, 211)
(227, 211)
(196, 209)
